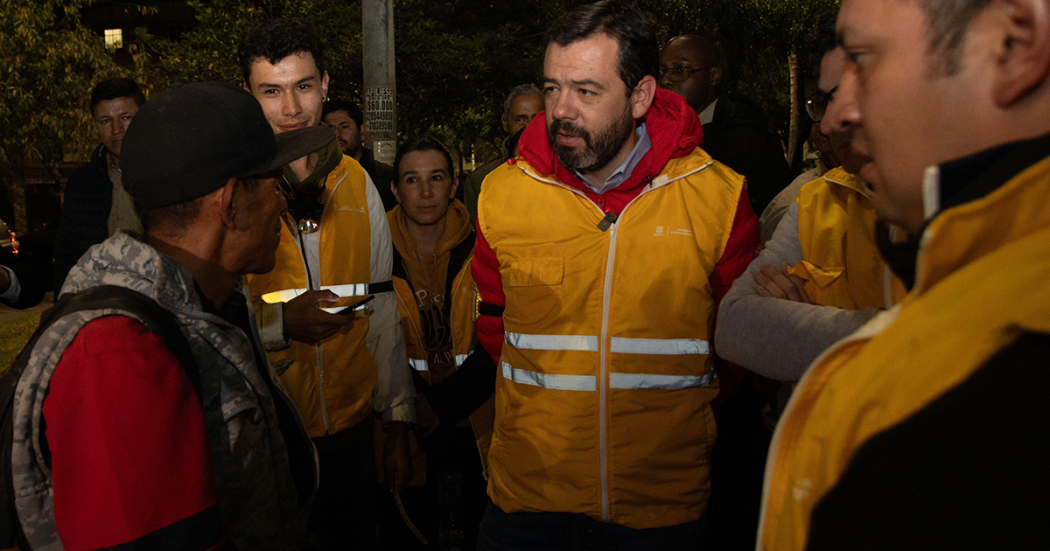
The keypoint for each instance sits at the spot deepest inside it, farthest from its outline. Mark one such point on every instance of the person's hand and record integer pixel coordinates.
(776, 282)
(305, 322)
(397, 457)
(427, 421)
(5, 280)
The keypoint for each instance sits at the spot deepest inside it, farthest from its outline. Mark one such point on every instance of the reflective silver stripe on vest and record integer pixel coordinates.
(552, 342)
(419, 365)
(344, 291)
(584, 383)
(668, 347)
(460, 358)
(627, 381)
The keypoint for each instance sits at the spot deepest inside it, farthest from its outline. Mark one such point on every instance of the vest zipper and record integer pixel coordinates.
(660, 181)
(604, 351)
(320, 356)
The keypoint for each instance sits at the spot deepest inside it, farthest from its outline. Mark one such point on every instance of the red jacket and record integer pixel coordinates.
(129, 449)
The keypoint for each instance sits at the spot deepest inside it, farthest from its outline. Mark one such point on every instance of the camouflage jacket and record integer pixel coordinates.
(257, 496)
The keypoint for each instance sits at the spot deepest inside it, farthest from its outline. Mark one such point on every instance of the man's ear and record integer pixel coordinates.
(820, 141)
(324, 85)
(393, 188)
(506, 127)
(716, 76)
(642, 97)
(454, 187)
(363, 131)
(1024, 59)
(222, 202)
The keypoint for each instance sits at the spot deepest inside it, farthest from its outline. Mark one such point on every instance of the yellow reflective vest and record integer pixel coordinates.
(606, 369)
(842, 266)
(331, 383)
(981, 282)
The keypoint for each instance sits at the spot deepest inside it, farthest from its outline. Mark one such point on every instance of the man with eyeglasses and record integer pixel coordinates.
(822, 259)
(736, 133)
(828, 147)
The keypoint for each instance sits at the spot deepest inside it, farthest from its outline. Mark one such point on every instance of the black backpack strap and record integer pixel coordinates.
(157, 320)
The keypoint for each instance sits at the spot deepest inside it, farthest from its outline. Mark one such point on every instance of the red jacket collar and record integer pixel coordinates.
(673, 128)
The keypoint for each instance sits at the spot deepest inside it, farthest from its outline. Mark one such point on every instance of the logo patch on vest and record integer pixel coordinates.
(664, 231)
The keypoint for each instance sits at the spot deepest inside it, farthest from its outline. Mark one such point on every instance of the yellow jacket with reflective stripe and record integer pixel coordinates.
(331, 384)
(836, 229)
(602, 403)
(983, 268)
(464, 338)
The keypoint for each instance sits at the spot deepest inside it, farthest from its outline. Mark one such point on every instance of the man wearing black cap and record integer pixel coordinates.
(137, 452)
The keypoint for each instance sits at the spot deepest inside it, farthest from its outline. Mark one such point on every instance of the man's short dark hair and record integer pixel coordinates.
(519, 91)
(639, 52)
(825, 40)
(178, 217)
(352, 110)
(948, 21)
(422, 144)
(277, 39)
(115, 88)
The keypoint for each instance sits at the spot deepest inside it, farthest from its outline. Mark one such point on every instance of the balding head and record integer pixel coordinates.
(691, 66)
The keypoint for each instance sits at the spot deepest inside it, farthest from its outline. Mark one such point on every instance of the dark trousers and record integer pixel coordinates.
(738, 464)
(502, 531)
(446, 522)
(344, 513)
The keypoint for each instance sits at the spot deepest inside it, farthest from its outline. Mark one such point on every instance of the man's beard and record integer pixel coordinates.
(597, 152)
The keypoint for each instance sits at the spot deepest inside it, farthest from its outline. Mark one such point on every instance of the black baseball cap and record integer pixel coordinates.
(191, 139)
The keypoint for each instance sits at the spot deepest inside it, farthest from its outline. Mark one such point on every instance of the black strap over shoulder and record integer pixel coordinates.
(157, 320)
(489, 309)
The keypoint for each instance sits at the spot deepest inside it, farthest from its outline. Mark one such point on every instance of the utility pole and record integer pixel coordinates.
(377, 34)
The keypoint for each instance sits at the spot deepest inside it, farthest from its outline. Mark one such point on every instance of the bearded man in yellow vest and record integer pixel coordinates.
(928, 427)
(335, 248)
(602, 252)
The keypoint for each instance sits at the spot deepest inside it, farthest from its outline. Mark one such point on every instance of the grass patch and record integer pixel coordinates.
(13, 337)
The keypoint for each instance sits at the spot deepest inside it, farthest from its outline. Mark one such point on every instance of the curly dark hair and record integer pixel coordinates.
(639, 52)
(277, 39)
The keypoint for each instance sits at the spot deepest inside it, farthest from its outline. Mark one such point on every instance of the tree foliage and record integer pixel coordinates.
(48, 63)
(456, 59)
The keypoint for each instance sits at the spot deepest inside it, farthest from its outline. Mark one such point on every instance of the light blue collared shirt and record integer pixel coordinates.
(624, 171)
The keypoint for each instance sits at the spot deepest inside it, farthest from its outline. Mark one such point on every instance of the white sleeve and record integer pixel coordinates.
(394, 395)
(773, 337)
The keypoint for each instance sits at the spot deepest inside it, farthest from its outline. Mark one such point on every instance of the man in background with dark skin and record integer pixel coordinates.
(350, 129)
(736, 133)
(520, 107)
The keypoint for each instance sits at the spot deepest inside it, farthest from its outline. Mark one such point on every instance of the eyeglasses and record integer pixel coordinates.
(679, 74)
(817, 104)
